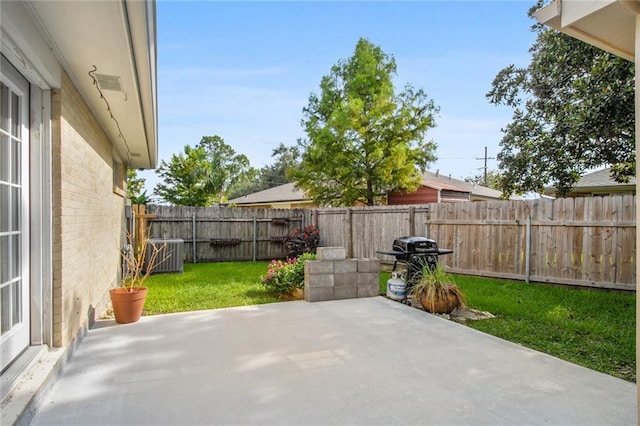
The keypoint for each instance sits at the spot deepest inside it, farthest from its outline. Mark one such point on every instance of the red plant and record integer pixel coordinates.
(303, 241)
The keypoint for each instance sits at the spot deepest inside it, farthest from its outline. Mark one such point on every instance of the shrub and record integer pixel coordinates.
(283, 276)
(303, 241)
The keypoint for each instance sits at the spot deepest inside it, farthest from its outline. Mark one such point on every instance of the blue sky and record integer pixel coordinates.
(244, 70)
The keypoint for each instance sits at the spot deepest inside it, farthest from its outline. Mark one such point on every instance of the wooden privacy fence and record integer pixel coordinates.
(577, 241)
(225, 234)
(363, 230)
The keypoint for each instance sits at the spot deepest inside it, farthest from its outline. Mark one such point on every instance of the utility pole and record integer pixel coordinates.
(485, 158)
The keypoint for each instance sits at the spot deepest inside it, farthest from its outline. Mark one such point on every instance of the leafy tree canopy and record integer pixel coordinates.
(224, 168)
(363, 139)
(202, 175)
(135, 186)
(493, 180)
(573, 111)
(183, 179)
(286, 157)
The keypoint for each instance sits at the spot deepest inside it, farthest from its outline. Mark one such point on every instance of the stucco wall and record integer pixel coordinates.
(88, 215)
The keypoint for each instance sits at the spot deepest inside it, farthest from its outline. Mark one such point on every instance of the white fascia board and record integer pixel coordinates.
(142, 34)
(550, 15)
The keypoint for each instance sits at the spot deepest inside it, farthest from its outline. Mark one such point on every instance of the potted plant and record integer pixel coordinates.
(436, 290)
(139, 261)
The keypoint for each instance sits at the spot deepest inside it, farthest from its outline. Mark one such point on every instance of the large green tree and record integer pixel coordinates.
(224, 168)
(573, 110)
(202, 175)
(286, 157)
(363, 139)
(183, 179)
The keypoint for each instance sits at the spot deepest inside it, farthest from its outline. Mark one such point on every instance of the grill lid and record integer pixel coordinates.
(415, 245)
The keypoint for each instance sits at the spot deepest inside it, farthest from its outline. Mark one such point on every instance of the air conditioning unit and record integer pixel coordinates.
(174, 248)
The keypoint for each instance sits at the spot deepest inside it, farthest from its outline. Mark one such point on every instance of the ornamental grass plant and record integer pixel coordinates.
(433, 285)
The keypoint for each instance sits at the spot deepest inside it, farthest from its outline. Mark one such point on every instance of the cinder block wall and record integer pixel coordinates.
(333, 276)
(88, 215)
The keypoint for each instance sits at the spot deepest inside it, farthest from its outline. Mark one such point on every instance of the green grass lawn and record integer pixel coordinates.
(595, 329)
(208, 286)
(592, 328)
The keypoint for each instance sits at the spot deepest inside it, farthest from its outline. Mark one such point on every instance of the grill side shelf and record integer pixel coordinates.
(401, 253)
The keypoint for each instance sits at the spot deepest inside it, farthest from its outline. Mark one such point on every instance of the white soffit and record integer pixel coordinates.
(118, 39)
(607, 24)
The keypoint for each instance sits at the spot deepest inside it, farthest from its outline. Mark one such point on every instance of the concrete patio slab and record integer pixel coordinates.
(360, 361)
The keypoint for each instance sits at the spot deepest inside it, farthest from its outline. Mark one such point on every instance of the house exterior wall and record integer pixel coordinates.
(447, 196)
(601, 192)
(422, 196)
(88, 216)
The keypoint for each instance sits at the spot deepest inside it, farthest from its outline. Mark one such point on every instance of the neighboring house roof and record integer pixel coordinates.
(287, 194)
(598, 182)
(283, 194)
(441, 186)
(118, 38)
(477, 192)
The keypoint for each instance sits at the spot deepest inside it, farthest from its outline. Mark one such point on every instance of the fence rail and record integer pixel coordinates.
(225, 234)
(363, 230)
(578, 241)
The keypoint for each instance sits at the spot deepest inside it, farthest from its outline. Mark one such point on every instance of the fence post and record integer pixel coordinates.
(527, 250)
(349, 236)
(426, 224)
(193, 233)
(255, 223)
(412, 220)
(141, 225)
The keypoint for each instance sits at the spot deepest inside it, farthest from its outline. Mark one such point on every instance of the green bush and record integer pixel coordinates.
(283, 277)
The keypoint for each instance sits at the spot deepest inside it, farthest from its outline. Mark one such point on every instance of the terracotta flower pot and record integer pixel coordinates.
(127, 306)
(440, 306)
(296, 294)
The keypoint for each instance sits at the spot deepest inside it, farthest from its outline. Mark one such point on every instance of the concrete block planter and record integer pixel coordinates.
(333, 277)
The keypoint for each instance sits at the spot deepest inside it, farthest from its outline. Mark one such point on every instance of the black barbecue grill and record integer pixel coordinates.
(414, 253)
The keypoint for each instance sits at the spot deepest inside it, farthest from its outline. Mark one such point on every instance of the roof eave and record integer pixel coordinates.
(119, 39)
(606, 24)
